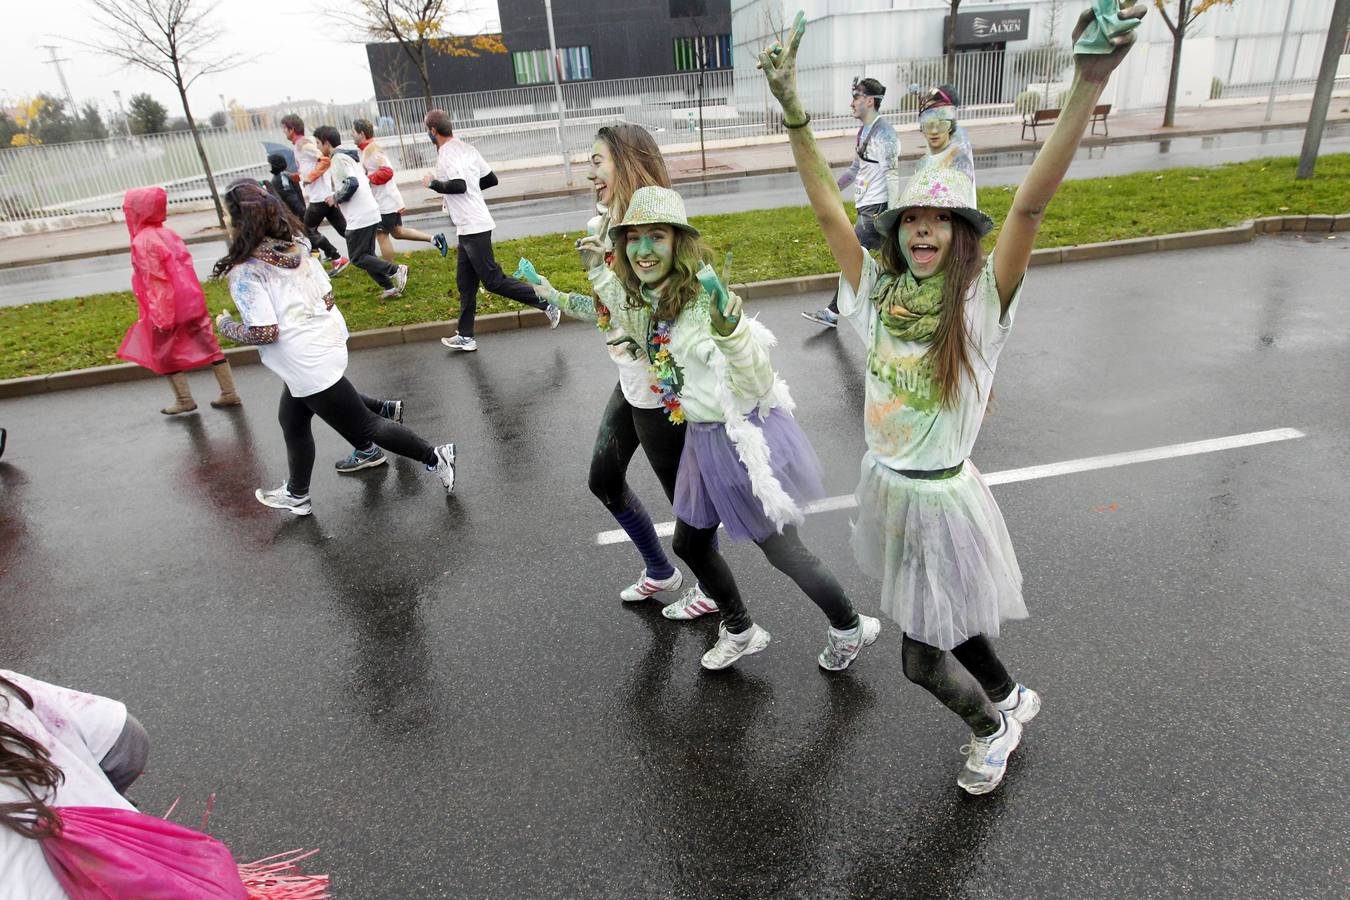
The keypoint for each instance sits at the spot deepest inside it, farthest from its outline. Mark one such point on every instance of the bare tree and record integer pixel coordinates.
(949, 40)
(1187, 12)
(172, 38)
(419, 29)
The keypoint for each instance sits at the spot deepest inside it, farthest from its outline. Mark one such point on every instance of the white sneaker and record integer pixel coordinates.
(459, 342)
(843, 647)
(1022, 704)
(401, 278)
(987, 757)
(646, 586)
(282, 498)
(390, 293)
(445, 466)
(554, 315)
(731, 647)
(693, 604)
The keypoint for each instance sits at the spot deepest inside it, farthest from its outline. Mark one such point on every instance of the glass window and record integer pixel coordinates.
(532, 66)
(710, 51)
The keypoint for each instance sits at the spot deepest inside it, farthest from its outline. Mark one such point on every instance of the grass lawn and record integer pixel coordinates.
(71, 334)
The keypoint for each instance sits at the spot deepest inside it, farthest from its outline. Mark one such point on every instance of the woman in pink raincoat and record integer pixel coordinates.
(174, 332)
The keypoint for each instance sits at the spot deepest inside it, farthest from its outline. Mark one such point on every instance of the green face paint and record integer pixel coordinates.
(651, 252)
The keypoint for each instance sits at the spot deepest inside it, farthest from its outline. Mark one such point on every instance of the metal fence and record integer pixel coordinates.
(522, 125)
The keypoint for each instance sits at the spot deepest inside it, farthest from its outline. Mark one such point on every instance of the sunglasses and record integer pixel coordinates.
(935, 126)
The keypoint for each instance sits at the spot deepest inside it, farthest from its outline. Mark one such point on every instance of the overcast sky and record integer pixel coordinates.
(299, 55)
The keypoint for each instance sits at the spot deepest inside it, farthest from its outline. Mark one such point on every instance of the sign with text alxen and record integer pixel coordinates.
(992, 26)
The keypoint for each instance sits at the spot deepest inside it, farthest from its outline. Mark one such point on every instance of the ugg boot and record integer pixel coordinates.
(225, 378)
(182, 397)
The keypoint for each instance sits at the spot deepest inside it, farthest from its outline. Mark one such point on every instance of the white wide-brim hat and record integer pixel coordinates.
(938, 187)
(653, 205)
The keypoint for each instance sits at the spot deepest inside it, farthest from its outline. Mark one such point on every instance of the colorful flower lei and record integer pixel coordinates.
(602, 320)
(665, 372)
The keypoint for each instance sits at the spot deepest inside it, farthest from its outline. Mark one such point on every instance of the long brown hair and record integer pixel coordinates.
(256, 214)
(950, 351)
(29, 766)
(680, 287)
(637, 163)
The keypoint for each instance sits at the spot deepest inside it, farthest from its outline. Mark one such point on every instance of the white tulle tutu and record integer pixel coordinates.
(941, 551)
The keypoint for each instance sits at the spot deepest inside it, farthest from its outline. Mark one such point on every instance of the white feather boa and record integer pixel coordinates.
(748, 439)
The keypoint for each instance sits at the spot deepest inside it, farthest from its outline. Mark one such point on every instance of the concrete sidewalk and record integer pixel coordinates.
(769, 156)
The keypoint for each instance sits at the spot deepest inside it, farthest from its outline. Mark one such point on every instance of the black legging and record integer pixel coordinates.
(316, 213)
(785, 552)
(351, 414)
(969, 680)
(624, 427)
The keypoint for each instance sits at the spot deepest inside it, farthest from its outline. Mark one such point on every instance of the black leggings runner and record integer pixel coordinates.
(351, 414)
(622, 428)
(476, 265)
(969, 680)
(316, 213)
(785, 552)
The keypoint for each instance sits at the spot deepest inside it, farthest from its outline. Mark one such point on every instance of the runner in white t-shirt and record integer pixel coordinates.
(286, 305)
(316, 189)
(97, 747)
(351, 192)
(460, 176)
(381, 174)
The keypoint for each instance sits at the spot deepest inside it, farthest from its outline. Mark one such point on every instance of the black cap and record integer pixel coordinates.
(277, 162)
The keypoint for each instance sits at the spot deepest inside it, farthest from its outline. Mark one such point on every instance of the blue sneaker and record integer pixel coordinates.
(362, 459)
(392, 410)
(438, 241)
(827, 317)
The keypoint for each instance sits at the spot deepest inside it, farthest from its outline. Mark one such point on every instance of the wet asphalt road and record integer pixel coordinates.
(447, 697)
(524, 218)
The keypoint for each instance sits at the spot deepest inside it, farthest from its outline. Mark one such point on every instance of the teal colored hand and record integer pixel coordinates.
(525, 271)
(1104, 33)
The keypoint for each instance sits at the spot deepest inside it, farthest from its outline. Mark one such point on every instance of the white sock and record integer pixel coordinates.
(1010, 701)
(743, 637)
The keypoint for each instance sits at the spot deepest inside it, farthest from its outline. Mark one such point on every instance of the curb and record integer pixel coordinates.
(552, 193)
(758, 290)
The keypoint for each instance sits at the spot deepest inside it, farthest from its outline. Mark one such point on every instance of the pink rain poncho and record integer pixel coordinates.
(174, 331)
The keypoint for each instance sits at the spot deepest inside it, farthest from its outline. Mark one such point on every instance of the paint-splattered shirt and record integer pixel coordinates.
(903, 418)
(875, 172)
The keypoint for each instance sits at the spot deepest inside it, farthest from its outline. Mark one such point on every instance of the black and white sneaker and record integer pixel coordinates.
(445, 466)
(392, 410)
(362, 459)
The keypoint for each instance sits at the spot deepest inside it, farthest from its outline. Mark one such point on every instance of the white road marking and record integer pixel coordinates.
(1048, 470)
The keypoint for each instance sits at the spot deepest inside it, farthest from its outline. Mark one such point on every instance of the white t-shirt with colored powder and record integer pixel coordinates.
(387, 195)
(78, 730)
(468, 210)
(310, 353)
(903, 418)
(360, 209)
(306, 158)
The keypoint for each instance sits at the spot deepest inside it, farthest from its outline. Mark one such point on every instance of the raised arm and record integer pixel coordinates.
(1012, 253)
(780, 68)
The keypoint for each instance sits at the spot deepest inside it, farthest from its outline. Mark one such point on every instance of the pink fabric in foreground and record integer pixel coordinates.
(111, 854)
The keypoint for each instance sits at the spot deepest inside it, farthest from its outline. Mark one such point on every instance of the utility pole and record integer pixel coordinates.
(556, 70)
(1279, 61)
(60, 73)
(1326, 80)
(126, 123)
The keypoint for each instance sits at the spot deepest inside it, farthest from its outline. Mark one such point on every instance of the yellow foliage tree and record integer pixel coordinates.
(26, 114)
(419, 28)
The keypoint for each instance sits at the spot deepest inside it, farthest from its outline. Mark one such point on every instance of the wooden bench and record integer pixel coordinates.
(1046, 116)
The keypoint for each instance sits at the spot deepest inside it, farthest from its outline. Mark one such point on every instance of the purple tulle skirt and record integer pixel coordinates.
(713, 485)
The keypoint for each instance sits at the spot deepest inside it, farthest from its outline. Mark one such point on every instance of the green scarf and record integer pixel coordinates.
(910, 310)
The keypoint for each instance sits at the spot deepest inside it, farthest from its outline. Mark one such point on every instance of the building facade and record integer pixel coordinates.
(597, 40)
(1229, 51)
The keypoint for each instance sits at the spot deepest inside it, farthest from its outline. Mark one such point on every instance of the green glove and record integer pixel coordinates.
(525, 272)
(1106, 24)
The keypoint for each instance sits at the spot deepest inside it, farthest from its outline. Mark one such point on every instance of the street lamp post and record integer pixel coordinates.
(1279, 61)
(1326, 80)
(555, 69)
